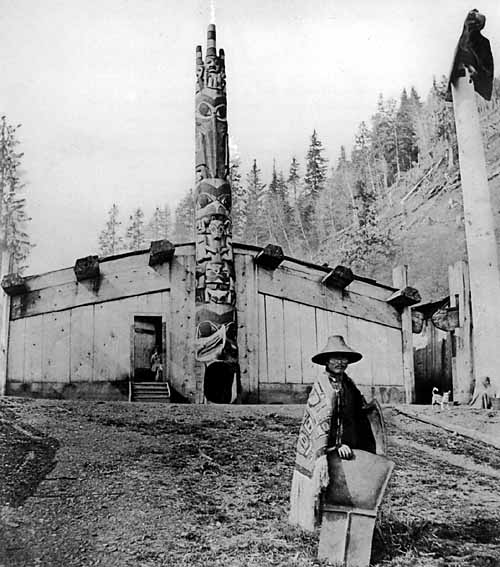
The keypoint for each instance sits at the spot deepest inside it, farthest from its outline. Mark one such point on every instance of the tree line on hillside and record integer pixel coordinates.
(334, 213)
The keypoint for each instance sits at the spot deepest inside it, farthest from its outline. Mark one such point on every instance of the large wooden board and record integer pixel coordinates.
(56, 347)
(368, 288)
(67, 275)
(111, 341)
(305, 331)
(181, 328)
(337, 325)
(33, 344)
(153, 303)
(308, 342)
(263, 350)
(275, 340)
(287, 284)
(15, 358)
(293, 345)
(82, 343)
(247, 317)
(113, 284)
(382, 362)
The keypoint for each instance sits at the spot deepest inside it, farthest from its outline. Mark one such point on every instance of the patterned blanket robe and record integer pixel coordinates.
(323, 402)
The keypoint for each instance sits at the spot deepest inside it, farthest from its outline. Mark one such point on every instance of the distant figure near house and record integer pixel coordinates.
(156, 365)
(483, 394)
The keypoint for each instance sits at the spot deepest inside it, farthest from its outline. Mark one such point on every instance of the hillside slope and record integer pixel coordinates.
(426, 216)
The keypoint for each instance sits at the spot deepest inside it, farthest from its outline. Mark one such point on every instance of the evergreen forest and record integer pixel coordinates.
(395, 199)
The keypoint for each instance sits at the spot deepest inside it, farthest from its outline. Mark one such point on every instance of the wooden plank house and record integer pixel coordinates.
(92, 338)
(232, 322)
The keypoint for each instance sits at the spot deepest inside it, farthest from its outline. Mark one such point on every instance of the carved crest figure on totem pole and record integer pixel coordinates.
(216, 339)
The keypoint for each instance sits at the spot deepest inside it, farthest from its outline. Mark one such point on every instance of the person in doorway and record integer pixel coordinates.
(156, 365)
(334, 420)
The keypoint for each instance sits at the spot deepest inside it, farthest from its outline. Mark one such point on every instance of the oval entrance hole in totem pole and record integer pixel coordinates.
(218, 382)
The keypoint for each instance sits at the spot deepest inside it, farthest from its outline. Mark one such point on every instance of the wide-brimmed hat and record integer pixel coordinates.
(336, 346)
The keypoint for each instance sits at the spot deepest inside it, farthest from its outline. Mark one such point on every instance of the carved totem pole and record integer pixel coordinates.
(216, 338)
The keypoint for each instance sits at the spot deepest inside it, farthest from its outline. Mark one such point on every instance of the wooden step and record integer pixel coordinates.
(150, 392)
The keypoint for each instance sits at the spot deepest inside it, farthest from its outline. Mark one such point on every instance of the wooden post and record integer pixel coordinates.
(462, 368)
(5, 267)
(400, 280)
(479, 232)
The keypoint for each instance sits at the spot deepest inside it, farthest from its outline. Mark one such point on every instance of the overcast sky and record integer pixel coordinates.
(104, 90)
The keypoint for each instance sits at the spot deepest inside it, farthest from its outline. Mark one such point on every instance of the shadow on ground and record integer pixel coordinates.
(26, 457)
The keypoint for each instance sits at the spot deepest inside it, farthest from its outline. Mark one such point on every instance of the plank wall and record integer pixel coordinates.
(290, 333)
(64, 332)
(296, 314)
(90, 343)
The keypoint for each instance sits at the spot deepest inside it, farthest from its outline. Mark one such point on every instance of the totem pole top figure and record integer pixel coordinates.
(212, 156)
(473, 52)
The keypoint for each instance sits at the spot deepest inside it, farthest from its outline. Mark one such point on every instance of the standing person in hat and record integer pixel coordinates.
(334, 420)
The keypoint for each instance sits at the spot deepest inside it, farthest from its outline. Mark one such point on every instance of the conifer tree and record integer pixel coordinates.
(316, 167)
(363, 157)
(159, 226)
(184, 218)
(239, 198)
(165, 221)
(13, 217)
(256, 230)
(384, 142)
(301, 240)
(134, 236)
(294, 181)
(314, 183)
(281, 219)
(110, 240)
(343, 176)
(342, 161)
(407, 139)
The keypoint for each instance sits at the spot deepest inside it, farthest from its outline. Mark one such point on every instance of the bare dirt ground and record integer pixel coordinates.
(118, 484)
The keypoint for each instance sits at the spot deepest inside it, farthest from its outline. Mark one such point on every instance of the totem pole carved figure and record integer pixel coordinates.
(216, 339)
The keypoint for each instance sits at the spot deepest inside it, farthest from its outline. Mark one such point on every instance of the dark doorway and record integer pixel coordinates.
(219, 385)
(433, 363)
(147, 337)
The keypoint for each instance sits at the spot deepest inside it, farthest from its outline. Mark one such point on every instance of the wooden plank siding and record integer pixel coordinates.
(85, 344)
(15, 357)
(308, 342)
(33, 348)
(291, 333)
(382, 362)
(181, 331)
(293, 346)
(64, 332)
(275, 339)
(77, 294)
(81, 344)
(56, 341)
(263, 348)
(285, 283)
(248, 329)
(111, 341)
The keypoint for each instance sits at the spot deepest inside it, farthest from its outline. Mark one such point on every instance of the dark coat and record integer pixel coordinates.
(350, 425)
